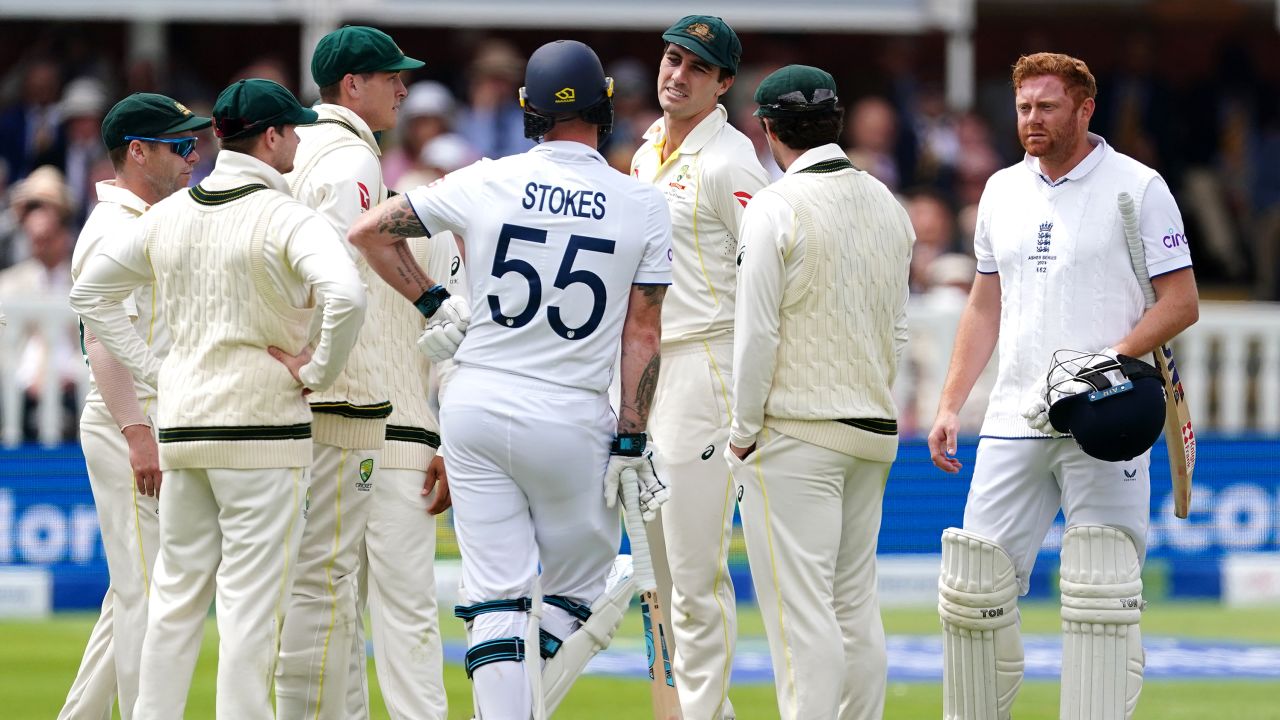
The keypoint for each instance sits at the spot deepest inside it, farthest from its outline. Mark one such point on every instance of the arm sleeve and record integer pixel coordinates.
(114, 383)
(97, 296)
(447, 203)
(900, 330)
(655, 266)
(768, 235)
(982, 249)
(317, 255)
(1163, 235)
(342, 197)
(732, 185)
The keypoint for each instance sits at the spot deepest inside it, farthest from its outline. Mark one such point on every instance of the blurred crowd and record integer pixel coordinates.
(1216, 142)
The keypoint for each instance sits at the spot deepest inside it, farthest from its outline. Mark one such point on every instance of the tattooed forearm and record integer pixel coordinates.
(407, 268)
(400, 220)
(634, 415)
(653, 293)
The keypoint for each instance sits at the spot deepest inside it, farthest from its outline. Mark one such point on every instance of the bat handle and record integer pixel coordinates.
(640, 558)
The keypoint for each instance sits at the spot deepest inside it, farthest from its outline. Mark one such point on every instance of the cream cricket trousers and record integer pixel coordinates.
(690, 425)
(811, 518)
(229, 535)
(130, 536)
(315, 646)
(398, 574)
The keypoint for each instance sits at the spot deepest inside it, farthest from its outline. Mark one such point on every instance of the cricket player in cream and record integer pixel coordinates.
(1054, 273)
(240, 269)
(708, 171)
(151, 142)
(338, 173)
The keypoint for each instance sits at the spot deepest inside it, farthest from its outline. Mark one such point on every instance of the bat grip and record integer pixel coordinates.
(1137, 253)
(640, 558)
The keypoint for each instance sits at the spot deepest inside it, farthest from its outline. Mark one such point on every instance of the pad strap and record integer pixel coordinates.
(509, 649)
(468, 612)
(581, 611)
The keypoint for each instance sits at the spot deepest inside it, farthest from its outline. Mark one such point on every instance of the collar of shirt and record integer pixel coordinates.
(344, 114)
(698, 137)
(109, 191)
(813, 156)
(1081, 169)
(233, 169)
(567, 150)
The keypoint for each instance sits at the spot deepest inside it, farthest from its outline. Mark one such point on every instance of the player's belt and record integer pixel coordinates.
(405, 433)
(376, 411)
(301, 431)
(872, 425)
(829, 166)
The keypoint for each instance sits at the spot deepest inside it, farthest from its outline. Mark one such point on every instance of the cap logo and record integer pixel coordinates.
(702, 31)
(181, 108)
(566, 95)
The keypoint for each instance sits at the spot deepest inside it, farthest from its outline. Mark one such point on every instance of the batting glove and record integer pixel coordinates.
(642, 470)
(1037, 415)
(446, 329)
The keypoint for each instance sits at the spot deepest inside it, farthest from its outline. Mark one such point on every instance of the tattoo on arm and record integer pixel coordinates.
(408, 269)
(400, 220)
(653, 293)
(635, 414)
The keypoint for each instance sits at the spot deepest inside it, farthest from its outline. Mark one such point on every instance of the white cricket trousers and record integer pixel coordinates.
(812, 518)
(316, 644)
(526, 463)
(398, 573)
(130, 536)
(230, 536)
(690, 425)
(1018, 486)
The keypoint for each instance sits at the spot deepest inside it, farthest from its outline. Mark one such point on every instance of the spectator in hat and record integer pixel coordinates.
(426, 114)
(78, 147)
(493, 122)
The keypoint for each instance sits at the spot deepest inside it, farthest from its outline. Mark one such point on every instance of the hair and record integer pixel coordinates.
(117, 156)
(1074, 73)
(332, 92)
(246, 143)
(808, 131)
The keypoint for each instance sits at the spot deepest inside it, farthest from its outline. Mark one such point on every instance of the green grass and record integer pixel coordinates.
(39, 659)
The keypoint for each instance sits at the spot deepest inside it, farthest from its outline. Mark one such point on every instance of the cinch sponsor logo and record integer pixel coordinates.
(1173, 239)
(45, 533)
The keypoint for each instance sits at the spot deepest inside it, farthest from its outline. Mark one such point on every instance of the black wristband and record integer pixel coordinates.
(629, 444)
(431, 300)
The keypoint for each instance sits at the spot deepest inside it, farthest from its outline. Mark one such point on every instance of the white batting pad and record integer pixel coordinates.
(1102, 658)
(982, 658)
(607, 611)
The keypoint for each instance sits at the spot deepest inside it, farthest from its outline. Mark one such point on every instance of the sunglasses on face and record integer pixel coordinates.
(182, 147)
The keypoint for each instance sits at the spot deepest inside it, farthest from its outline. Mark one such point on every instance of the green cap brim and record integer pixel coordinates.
(405, 63)
(693, 46)
(302, 116)
(195, 122)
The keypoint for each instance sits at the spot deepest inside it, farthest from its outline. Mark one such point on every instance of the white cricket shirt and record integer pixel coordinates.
(555, 239)
(1066, 280)
(707, 183)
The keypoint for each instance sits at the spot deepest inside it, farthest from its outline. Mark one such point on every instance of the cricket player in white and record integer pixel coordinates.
(151, 141)
(708, 171)
(821, 325)
(398, 561)
(338, 173)
(1053, 273)
(239, 268)
(565, 259)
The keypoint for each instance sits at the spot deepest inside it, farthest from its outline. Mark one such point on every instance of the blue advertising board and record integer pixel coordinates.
(47, 518)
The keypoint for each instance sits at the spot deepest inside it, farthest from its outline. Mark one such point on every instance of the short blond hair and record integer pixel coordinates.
(1074, 73)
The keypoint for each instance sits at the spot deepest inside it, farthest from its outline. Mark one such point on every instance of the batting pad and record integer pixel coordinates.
(1102, 658)
(982, 658)
(562, 669)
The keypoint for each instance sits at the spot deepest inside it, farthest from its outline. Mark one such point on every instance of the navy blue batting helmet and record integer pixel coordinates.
(564, 79)
(1118, 412)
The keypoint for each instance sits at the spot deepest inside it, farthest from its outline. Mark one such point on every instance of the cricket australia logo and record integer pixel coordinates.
(366, 472)
(1044, 239)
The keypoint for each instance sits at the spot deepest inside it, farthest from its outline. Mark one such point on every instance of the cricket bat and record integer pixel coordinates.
(666, 703)
(1179, 436)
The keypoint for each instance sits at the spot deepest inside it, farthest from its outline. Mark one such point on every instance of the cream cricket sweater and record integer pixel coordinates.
(821, 309)
(337, 173)
(413, 431)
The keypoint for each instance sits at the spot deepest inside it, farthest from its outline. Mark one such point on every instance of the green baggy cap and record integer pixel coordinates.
(148, 115)
(795, 91)
(248, 107)
(357, 49)
(708, 37)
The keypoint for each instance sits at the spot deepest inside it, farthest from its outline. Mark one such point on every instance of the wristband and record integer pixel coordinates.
(629, 444)
(431, 300)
